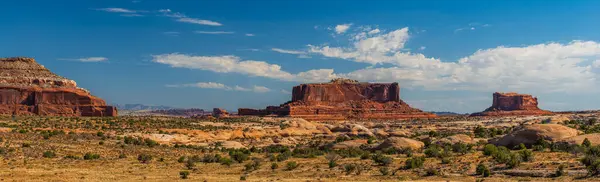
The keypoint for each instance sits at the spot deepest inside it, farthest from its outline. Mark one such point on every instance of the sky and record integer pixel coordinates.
(446, 55)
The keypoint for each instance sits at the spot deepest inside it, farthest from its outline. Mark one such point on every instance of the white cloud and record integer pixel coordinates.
(260, 89)
(198, 21)
(303, 56)
(180, 17)
(253, 50)
(287, 51)
(249, 35)
(220, 86)
(88, 59)
(233, 64)
(214, 32)
(340, 29)
(374, 31)
(422, 48)
(117, 10)
(285, 91)
(551, 67)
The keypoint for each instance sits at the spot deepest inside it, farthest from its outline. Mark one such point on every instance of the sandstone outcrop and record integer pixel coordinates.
(219, 113)
(458, 138)
(530, 134)
(594, 139)
(349, 144)
(343, 99)
(401, 143)
(28, 88)
(512, 104)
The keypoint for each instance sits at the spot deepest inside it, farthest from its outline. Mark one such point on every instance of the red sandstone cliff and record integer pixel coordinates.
(513, 104)
(28, 88)
(343, 99)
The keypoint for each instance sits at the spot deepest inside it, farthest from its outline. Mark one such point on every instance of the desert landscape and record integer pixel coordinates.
(342, 130)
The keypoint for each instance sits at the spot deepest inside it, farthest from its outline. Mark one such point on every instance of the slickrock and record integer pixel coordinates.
(343, 99)
(401, 143)
(530, 134)
(28, 88)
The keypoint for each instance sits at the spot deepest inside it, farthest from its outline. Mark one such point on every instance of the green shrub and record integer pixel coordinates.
(514, 161)
(381, 159)
(332, 159)
(274, 166)
(586, 143)
(49, 154)
(433, 151)
(414, 162)
(291, 165)
(181, 159)
(144, 158)
(431, 172)
(226, 161)
(91, 156)
(184, 174)
(349, 168)
(482, 169)
(384, 171)
(460, 147)
(526, 155)
(122, 156)
(490, 150)
(538, 148)
(560, 171)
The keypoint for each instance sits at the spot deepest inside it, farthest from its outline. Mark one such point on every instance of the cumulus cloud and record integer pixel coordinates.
(87, 59)
(547, 67)
(213, 32)
(340, 29)
(220, 86)
(233, 64)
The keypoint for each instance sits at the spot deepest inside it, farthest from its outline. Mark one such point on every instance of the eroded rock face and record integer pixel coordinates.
(218, 112)
(513, 104)
(28, 88)
(343, 99)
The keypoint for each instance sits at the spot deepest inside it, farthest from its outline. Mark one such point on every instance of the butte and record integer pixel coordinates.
(28, 88)
(343, 99)
(512, 104)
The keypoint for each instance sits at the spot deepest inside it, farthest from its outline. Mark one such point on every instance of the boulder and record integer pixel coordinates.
(349, 144)
(232, 145)
(530, 134)
(458, 138)
(400, 143)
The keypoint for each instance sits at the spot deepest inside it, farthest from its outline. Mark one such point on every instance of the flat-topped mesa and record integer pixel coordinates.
(28, 88)
(343, 99)
(513, 104)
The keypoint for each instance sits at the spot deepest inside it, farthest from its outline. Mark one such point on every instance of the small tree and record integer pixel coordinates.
(274, 166)
(482, 169)
(144, 158)
(586, 143)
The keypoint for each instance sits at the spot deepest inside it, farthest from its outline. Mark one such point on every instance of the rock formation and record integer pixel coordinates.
(219, 113)
(342, 99)
(530, 134)
(28, 88)
(513, 104)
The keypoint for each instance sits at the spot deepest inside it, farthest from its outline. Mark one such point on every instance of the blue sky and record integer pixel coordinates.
(446, 55)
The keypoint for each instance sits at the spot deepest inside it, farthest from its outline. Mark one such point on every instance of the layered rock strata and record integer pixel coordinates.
(28, 88)
(343, 99)
(513, 104)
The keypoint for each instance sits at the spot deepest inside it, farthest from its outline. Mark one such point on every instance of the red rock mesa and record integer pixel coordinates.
(507, 104)
(343, 99)
(28, 88)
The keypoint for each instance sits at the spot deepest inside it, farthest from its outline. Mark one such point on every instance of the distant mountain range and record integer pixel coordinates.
(139, 107)
(445, 113)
